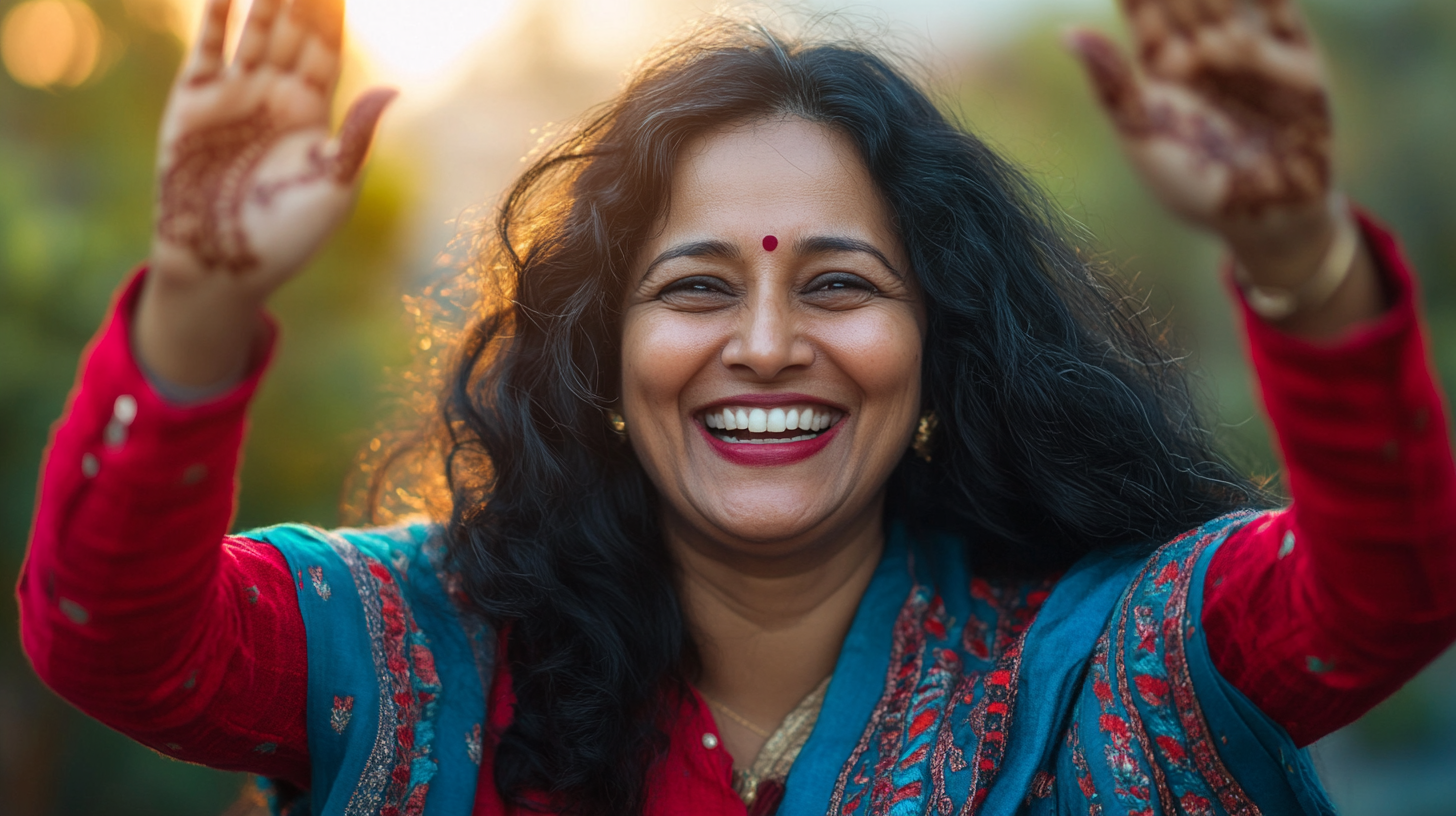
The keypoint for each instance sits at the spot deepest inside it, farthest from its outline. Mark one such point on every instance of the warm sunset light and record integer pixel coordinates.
(420, 39)
(409, 43)
(50, 42)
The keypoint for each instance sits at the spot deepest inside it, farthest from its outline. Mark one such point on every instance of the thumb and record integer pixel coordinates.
(357, 132)
(1117, 86)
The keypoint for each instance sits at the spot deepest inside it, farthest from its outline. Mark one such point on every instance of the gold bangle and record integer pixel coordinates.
(1275, 303)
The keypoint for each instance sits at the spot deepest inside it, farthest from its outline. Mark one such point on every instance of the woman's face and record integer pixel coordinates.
(771, 342)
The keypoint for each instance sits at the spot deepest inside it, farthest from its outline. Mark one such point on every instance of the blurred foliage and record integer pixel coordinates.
(75, 213)
(75, 185)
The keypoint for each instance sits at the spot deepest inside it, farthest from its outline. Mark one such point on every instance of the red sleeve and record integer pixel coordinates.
(134, 606)
(1319, 612)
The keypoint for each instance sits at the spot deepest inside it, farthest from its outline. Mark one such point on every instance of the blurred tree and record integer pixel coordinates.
(75, 218)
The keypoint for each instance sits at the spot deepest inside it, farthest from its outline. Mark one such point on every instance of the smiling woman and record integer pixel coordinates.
(798, 461)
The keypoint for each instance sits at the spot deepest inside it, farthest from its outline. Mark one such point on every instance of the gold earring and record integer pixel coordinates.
(923, 434)
(618, 423)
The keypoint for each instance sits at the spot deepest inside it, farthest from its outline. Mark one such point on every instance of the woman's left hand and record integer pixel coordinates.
(1226, 116)
(1227, 120)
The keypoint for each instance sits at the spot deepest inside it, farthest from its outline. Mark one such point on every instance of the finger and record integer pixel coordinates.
(1283, 20)
(1216, 11)
(1118, 88)
(253, 44)
(285, 42)
(352, 143)
(1185, 15)
(1152, 30)
(322, 18)
(207, 54)
(318, 66)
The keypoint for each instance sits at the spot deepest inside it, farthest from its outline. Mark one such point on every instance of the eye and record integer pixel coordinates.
(837, 290)
(696, 292)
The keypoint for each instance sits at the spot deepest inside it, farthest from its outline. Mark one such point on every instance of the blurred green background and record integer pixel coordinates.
(75, 186)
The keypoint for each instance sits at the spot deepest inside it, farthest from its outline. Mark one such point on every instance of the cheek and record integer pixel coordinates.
(661, 353)
(879, 350)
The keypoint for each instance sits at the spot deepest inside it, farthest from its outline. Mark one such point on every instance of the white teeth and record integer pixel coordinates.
(757, 420)
(772, 420)
(776, 420)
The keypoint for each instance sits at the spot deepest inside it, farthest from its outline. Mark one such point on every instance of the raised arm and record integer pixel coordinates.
(249, 183)
(1320, 611)
(135, 605)
(1227, 121)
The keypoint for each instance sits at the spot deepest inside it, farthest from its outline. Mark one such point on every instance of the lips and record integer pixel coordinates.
(764, 430)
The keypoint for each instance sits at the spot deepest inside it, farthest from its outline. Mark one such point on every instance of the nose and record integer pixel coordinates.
(767, 341)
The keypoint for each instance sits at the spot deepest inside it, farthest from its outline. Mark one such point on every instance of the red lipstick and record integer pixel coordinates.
(772, 455)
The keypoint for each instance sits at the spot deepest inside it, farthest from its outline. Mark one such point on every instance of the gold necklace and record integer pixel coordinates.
(736, 717)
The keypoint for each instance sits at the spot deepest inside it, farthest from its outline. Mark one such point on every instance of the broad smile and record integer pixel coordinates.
(745, 425)
(765, 430)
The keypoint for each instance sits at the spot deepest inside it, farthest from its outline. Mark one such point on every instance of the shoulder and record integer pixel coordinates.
(1154, 720)
(406, 541)
(399, 571)
(1164, 579)
(409, 557)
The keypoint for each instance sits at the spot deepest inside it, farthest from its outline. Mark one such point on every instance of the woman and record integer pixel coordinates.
(799, 463)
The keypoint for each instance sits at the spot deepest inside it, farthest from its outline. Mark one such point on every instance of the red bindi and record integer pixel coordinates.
(770, 243)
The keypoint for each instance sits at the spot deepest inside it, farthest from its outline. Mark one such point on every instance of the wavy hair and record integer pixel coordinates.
(1066, 426)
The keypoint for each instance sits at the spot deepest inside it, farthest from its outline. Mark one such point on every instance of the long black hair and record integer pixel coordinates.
(1065, 426)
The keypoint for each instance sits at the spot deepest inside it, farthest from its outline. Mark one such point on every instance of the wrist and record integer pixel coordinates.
(196, 334)
(1285, 251)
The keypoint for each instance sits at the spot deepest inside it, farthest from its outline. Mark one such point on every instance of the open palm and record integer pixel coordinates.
(249, 181)
(1225, 115)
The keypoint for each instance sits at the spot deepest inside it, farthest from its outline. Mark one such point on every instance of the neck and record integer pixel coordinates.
(769, 620)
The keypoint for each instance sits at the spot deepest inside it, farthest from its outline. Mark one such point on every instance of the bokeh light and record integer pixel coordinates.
(50, 42)
(418, 45)
(419, 40)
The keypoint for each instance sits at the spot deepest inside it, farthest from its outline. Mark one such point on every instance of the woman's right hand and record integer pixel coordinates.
(249, 183)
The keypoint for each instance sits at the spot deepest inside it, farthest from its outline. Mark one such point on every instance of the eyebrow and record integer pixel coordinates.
(826, 244)
(812, 245)
(695, 249)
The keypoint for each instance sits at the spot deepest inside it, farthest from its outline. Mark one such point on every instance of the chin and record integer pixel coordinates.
(782, 519)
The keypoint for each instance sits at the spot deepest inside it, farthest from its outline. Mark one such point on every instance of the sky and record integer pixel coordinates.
(421, 45)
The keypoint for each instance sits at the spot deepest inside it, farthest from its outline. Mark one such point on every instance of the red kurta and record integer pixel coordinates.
(137, 608)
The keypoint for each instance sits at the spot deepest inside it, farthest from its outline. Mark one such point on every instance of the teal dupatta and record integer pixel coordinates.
(1087, 694)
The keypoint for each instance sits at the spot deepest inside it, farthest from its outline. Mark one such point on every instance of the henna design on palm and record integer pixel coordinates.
(239, 136)
(1225, 113)
(1290, 125)
(202, 192)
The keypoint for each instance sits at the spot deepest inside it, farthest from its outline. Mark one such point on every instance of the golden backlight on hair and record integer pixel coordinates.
(45, 43)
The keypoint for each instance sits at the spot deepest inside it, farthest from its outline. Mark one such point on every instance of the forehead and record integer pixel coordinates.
(778, 176)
